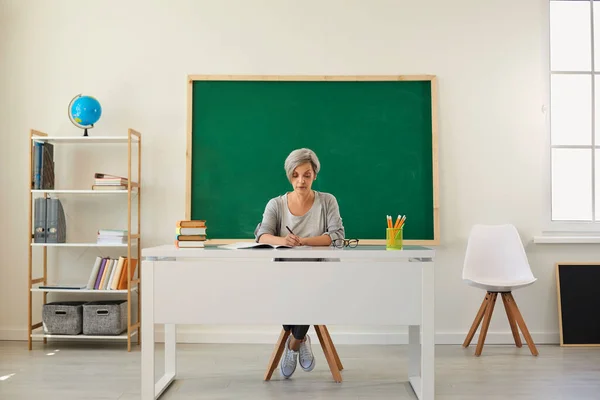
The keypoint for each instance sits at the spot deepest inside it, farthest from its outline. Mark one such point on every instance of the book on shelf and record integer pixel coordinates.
(110, 274)
(122, 285)
(101, 179)
(111, 236)
(109, 187)
(112, 232)
(94, 274)
(63, 287)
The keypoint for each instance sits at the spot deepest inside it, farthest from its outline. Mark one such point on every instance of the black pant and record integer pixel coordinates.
(298, 331)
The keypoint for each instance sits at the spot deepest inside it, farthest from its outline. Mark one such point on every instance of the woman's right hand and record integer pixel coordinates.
(292, 240)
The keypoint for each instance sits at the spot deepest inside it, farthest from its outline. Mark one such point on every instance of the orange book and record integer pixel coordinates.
(123, 278)
(191, 223)
(191, 237)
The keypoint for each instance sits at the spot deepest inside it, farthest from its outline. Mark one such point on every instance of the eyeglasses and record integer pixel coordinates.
(341, 243)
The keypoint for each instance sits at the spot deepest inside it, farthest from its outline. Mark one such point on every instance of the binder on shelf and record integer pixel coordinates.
(55, 222)
(39, 220)
(37, 165)
(50, 225)
(43, 166)
(47, 173)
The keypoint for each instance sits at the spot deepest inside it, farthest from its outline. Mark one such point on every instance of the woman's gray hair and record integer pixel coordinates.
(299, 157)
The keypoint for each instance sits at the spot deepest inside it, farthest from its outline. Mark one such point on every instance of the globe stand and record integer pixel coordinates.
(85, 133)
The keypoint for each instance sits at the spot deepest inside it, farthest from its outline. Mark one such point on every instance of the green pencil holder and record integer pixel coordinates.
(393, 238)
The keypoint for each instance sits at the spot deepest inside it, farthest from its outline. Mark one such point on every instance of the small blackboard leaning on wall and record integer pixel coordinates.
(577, 285)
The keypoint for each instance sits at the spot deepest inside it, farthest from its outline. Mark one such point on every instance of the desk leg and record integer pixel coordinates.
(147, 328)
(151, 390)
(421, 342)
(428, 334)
(170, 349)
(414, 351)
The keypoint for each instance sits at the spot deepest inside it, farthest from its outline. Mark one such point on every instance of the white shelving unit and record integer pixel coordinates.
(132, 139)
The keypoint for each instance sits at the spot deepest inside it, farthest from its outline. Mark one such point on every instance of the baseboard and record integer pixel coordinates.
(197, 335)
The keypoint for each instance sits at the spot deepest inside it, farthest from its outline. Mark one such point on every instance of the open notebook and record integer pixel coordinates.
(253, 245)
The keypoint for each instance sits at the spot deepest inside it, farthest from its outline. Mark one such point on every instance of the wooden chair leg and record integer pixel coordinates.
(521, 322)
(477, 320)
(277, 352)
(511, 319)
(486, 323)
(335, 353)
(325, 344)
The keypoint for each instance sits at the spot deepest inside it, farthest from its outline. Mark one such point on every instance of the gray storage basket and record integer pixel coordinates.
(63, 317)
(107, 317)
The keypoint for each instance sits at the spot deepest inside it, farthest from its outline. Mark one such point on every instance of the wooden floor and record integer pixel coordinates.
(87, 370)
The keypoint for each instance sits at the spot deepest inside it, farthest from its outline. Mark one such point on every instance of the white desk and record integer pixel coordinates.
(369, 286)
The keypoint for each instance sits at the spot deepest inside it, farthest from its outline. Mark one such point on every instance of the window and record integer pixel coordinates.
(575, 110)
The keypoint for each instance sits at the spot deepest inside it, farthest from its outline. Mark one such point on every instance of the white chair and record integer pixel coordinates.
(496, 262)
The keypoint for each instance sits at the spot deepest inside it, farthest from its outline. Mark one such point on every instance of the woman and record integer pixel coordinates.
(314, 218)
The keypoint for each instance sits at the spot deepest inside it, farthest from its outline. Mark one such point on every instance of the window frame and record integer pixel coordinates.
(551, 226)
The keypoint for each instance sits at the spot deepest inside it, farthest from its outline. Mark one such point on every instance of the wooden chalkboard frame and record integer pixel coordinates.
(434, 136)
(560, 321)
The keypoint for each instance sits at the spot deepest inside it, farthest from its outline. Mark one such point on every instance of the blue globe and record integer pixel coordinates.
(84, 111)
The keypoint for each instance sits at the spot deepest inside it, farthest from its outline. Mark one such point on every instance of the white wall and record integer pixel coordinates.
(135, 57)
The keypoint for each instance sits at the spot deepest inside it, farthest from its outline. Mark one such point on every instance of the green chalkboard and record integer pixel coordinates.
(375, 140)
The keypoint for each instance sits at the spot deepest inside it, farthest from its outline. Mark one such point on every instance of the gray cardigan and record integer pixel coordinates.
(322, 219)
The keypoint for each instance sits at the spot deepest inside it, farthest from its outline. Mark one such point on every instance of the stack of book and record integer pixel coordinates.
(112, 236)
(190, 233)
(109, 182)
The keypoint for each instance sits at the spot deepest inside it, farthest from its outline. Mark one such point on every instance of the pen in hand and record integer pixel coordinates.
(293, 234)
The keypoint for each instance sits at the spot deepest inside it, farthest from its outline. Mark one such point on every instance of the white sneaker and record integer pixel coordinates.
(289, 359)
(307, 359)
